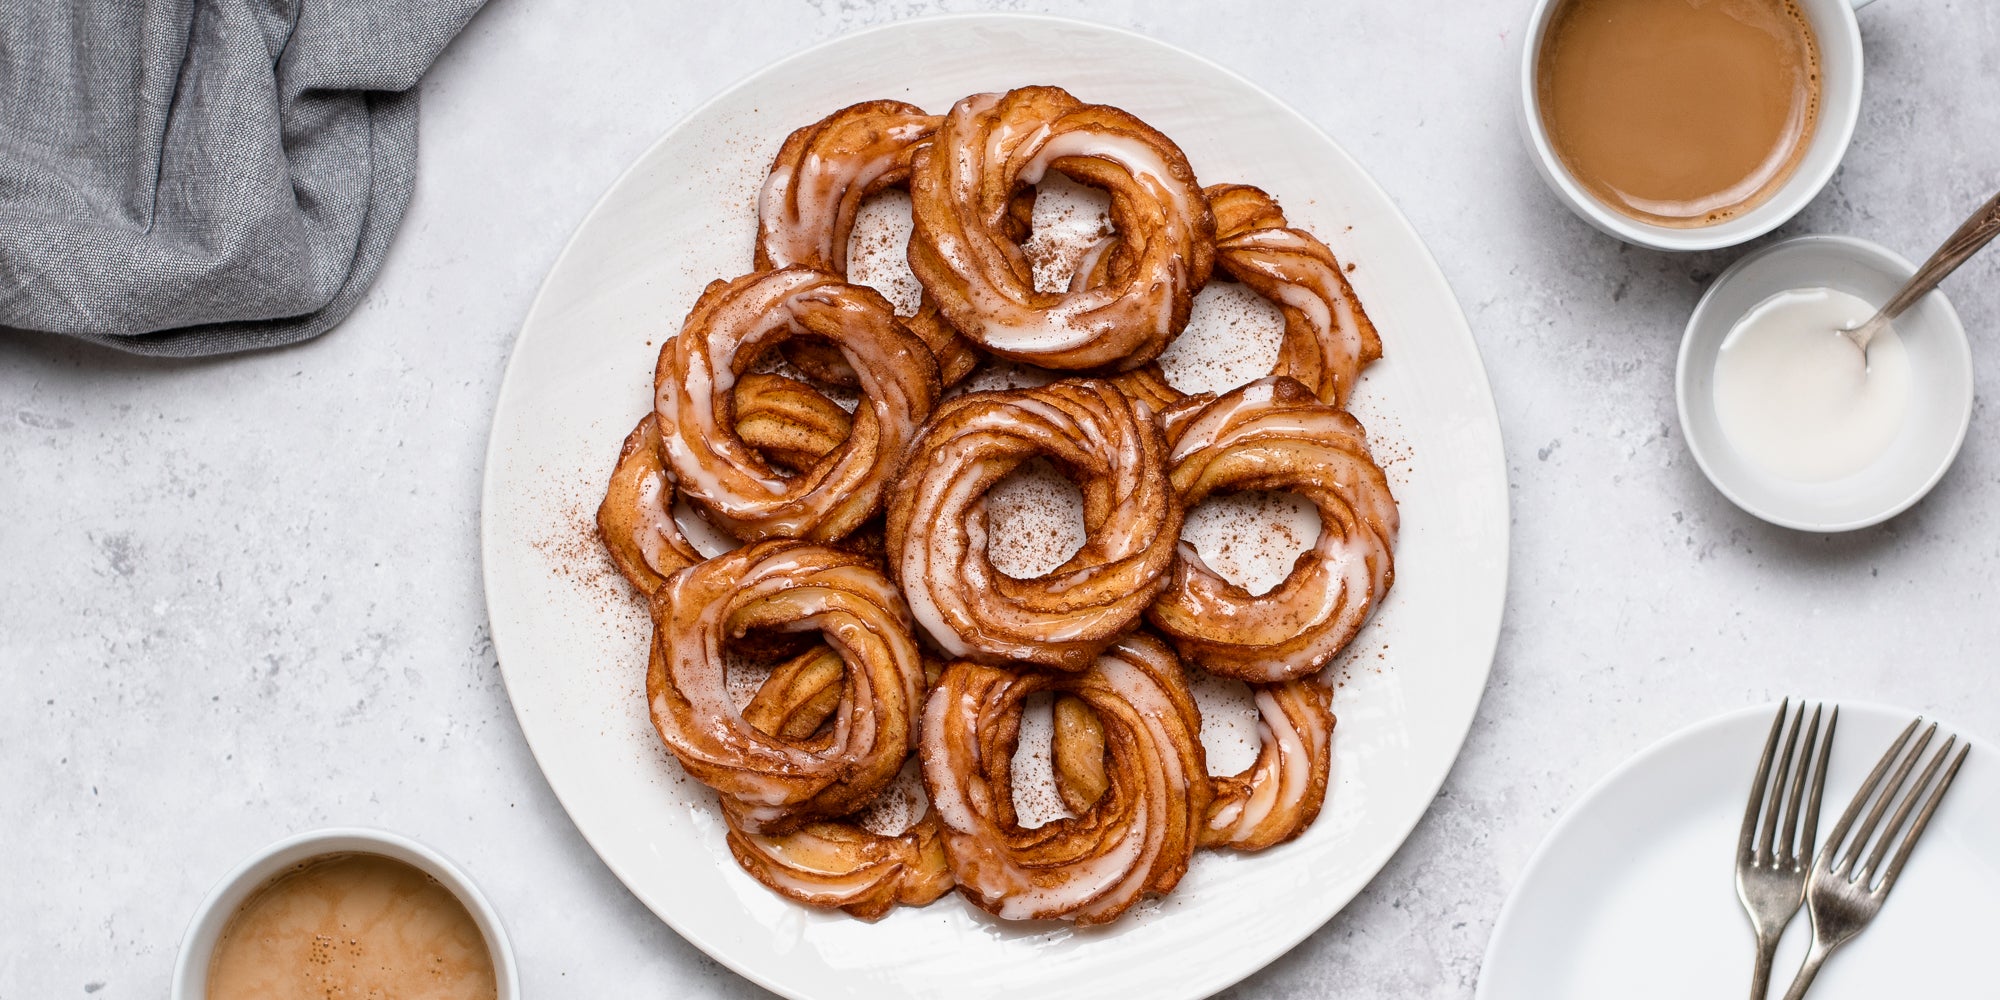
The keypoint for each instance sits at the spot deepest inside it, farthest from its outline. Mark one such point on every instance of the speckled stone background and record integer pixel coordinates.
(241, 598)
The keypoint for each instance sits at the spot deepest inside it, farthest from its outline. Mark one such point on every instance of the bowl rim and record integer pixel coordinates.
(1781, 207)
(190, 976)
(1889, 262)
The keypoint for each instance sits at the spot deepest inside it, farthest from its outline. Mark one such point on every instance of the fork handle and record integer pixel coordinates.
(1808, 971)
(1760, 974)
(1958, 248)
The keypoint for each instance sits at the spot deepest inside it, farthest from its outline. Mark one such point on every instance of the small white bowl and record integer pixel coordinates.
(1838, 34)
(191, 969)
(1940, 397)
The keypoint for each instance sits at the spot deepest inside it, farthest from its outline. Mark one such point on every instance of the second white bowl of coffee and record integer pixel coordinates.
(1689, 126)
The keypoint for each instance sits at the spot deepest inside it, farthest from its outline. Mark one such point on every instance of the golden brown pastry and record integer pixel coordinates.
(1274, 435)
(732, 324)
(1240, 208)
(834, 504)
(965, 249)
(837, 863)
(1328, 336)
(1109, 446)
(1148, 384)
(799, 695)
(1133, 841)
(1269, 802)
(806, 212)
(831, 863)
(1278, 795)
(788, 422)
(1077, 753)
(785, 586)
(636, 519)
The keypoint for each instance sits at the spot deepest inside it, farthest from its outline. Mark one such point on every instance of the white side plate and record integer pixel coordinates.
(1633, 895)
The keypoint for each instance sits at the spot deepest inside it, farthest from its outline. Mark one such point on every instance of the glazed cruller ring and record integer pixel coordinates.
(1328, 338)
(824, 735)
(810, 198)
(1108, 444)
(1132, 840)
(731, 326)
(1274, 435)
(788, 422)
(775, 784)
(963, 192)
(1269, 802)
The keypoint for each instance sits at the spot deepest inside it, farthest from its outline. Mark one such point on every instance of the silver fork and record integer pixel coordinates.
(1843, 899)
(1771, 870)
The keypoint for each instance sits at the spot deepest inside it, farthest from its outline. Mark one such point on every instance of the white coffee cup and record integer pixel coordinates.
(190, 980)
(1839, 36)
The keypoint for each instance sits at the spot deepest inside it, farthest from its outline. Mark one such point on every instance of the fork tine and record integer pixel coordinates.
(1895, 826)
(1810, 835)
(1831, 851)
(1769, 851)
(1755, 806)
(1786, 855)
(1867, 828)
(1923, 820)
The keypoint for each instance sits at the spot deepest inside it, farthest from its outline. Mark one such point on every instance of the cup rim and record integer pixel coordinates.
(190, 977)
(1891, 261)
(1791, 197)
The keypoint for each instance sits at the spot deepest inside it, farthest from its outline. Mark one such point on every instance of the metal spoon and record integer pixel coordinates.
(1957, 249)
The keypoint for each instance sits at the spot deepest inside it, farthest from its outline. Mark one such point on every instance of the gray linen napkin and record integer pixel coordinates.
(191, 177)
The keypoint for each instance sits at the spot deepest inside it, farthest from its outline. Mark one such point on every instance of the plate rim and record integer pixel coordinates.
(1483, 403)
(1701, 727)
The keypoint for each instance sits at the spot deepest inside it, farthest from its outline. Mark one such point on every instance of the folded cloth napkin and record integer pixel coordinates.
(190, 177)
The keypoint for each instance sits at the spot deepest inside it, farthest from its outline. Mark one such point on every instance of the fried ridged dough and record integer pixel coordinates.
(1077, 753)
(837, 863)
(1269, 802)
(1279, 794)
(1328, 336)
(807, 207)
(636, 519)
(787, 421)
(1148, 384)
(1133, 841)
(731, 325)
(785, 586)
(1274, 435)
(1109, 446)
(965, 249)
(798, 696)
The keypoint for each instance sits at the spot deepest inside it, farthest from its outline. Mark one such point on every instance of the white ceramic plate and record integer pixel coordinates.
(1633, 895)
(571, 640)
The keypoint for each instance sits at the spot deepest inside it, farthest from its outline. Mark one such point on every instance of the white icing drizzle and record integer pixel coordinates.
(1318, 452)
(987, 148)
(955, 591)
(655, 526)
(726, 477)
(1135, 839)
(819, 589)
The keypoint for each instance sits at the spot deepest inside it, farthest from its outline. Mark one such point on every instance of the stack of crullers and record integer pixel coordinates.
(864, 578)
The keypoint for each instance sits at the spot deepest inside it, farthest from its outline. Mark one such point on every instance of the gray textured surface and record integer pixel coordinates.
(239, 599)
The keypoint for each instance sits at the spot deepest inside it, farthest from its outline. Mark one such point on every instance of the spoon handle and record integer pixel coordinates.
(1957, 249)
